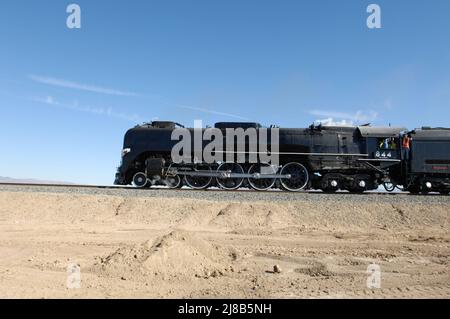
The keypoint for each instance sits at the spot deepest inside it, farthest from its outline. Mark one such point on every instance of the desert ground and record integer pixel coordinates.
(189, 244)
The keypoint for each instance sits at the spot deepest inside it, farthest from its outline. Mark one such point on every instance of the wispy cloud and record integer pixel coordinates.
(332, 122)
(79, 86)
(49, 100)
(102, 90)
(357, 117)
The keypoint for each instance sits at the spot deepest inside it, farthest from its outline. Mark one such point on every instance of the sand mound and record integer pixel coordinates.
(177, 254)
(238, 216)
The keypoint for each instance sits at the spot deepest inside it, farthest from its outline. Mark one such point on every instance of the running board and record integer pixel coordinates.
(227, 174)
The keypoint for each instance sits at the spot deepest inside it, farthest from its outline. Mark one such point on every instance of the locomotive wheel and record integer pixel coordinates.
(198, 182)
(172, 181)
(360, 184)
(330, 184)
(230, 183)
(140, 180)
(299, 177)
(389, 187)
(261, 184)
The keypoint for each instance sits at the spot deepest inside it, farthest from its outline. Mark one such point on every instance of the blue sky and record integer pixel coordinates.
(68, 96)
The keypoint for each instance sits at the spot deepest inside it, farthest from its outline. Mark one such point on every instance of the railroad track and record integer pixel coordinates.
(66, 185)
(204, 190)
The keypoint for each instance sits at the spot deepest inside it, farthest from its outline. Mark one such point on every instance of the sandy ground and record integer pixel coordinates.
(192, 248)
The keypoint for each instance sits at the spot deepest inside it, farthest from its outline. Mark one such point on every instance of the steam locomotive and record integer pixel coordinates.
(327, 158)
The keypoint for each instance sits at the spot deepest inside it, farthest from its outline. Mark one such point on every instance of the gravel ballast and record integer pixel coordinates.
(242, 195)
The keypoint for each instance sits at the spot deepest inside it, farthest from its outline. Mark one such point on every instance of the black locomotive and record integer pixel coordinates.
(319, 157)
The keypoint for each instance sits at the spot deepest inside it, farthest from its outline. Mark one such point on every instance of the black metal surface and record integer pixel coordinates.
(430, 151)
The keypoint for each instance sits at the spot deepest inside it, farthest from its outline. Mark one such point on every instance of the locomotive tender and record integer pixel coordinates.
(327, 158)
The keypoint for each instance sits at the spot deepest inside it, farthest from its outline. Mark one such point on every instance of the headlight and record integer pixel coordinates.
(125, 151)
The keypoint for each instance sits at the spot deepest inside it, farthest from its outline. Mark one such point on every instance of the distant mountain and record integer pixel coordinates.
(30, 181)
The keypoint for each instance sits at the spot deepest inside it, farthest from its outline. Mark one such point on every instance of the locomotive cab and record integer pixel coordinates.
(382, 143)
(383, 153)
(386, 148)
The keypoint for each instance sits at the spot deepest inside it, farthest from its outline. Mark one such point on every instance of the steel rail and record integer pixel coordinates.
(272, 191)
